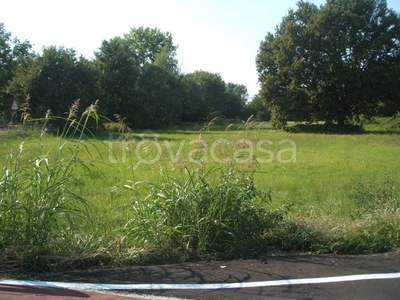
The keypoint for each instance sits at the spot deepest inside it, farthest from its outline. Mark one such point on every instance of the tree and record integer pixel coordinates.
(119, 73)
(13, 56)
(87, 83)
(54, 80)
(147, 43)
(193, 106)
(336, 63)
(159, 86)
(256, 108)
(206, 95)
(53, 83)
(237, 99)
(214, 93)
(139, 77)
(162, 86)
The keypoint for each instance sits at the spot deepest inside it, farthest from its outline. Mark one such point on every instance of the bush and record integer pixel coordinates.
(198, 216)
(112, 127)
(391, 124)
(327, 128)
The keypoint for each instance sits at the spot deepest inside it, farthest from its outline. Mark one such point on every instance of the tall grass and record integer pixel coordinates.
(61, 197)
(216, 214)
(38, 206)
(372, 226)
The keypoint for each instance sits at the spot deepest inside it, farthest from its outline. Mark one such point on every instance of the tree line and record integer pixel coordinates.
(338, 63)
(135, 76)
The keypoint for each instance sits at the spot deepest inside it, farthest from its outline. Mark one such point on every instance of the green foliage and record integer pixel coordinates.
(19, 133)
(13, 53)
(377, 233)
(328, 128)
(150, 43)
(38, 205)
(337, 63)
(299, 235)
(207, 213)
(160, 93)
(112, 127)
(139, 78)
(54, 79)
(257, 109)
(199, 215)
(119, 72)
(237, 99)
(375, 198)
(193, 106)
(212, 89)
(391, 124)
(377, 212)
(136, 75)
(374, 226)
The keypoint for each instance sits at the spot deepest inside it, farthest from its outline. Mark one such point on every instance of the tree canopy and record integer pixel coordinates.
(135, 76)
(336, 63)
(13, 54)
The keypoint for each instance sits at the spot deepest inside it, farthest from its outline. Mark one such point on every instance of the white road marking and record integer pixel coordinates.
(195, 286)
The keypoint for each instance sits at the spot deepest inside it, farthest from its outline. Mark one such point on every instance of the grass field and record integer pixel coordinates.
(171, 195)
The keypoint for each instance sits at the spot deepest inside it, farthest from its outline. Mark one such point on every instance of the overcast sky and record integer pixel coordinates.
(219, 36)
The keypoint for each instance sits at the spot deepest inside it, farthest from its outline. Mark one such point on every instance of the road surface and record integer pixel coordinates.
(278, 277)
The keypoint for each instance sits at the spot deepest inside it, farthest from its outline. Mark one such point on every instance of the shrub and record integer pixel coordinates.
(391, 124)
(203, 216)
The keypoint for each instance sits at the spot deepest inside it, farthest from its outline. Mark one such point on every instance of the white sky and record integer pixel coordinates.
(219, 36)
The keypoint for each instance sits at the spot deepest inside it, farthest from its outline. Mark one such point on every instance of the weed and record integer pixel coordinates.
(25, 115)
(216, 211)
(200, 215)
(38, 206)
(375, 197)
(207, 126)
(298, 235)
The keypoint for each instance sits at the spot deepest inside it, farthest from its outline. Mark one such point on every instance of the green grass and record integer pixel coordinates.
(206, 192)
(385, 125)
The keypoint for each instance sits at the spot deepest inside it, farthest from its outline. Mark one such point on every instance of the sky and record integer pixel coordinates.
(219, 36)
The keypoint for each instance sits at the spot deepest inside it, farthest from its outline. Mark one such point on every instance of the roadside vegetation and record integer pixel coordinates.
(75, 200)
(163, 169)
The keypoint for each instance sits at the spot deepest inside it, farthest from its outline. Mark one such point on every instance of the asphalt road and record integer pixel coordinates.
(278, 269)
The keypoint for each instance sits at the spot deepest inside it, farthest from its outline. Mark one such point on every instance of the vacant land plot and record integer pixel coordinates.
(196, 193)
